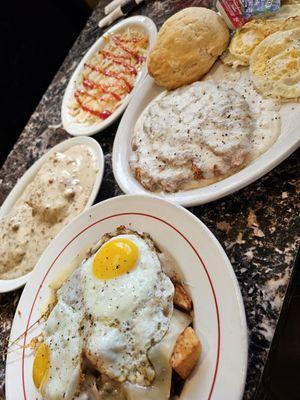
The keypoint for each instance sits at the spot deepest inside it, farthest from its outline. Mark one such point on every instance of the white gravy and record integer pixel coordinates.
(59, 192)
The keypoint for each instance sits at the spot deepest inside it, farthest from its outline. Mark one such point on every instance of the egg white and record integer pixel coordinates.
(159, 356)
(128, 315)
(118, 298)
(61, 335)
(115, 323)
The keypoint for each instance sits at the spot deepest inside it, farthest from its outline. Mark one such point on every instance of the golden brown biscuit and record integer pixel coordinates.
(187, 46)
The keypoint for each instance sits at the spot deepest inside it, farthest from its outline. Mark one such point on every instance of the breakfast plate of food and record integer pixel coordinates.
(134, 299)
(107, 77)
(201, 127)
(55, 189)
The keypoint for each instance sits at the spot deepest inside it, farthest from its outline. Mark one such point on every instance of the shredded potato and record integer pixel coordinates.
(108, 76)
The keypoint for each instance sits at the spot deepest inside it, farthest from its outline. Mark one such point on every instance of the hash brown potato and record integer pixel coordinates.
(181, 298)
(186, 352)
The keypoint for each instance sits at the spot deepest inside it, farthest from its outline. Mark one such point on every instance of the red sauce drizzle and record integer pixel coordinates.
(100, 114)
(132, 40)
(119, 56)
(141, 59)
(115, 59)
(119, 43)
(87, 83)
(111, 74)
(95, 97)
(119, 59)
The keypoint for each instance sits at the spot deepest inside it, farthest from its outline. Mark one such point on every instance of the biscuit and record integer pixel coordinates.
(187, 46)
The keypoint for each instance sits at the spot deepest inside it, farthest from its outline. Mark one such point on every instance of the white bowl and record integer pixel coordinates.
(6, 285)
(203, 265)
(287, 142)
(68, 121)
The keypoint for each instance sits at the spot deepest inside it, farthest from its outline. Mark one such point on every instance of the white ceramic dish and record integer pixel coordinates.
(69, 123)
(12, 284)
(288, 142)
(219, 312)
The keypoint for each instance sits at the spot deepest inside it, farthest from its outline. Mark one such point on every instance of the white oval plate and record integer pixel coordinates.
(68, 121)
(287, 142)
(219, 312)
(6, 285)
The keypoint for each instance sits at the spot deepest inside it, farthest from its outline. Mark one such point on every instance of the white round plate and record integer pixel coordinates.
(287, 142)
(203, 265)
(6, 285)
(69, 123)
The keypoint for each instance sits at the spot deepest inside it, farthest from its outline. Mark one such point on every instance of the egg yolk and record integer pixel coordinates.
(41, 365)
(115, 258)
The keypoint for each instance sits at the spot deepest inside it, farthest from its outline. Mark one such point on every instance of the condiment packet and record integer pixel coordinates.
(233, 12)
(255, 7)
(237, 12)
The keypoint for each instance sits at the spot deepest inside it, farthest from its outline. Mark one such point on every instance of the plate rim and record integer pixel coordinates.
(219, 249)
(7, 285)
(89, 130)
(189, 198)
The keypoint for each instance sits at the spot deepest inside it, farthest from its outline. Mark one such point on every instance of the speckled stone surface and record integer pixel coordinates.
(258, 226)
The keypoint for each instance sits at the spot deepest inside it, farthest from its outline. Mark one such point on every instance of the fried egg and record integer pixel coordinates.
(112, 311)
(275, 65)
(159, 356)
(129, 301)
(246, 39)
(57, 363)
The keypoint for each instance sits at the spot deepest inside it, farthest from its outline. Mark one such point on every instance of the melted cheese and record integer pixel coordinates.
(160, 355)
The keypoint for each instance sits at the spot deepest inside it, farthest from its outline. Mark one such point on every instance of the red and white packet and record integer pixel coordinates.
(237, 12)
(232, 12)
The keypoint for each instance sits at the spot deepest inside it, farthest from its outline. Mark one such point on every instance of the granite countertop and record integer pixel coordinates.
(258, 226)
